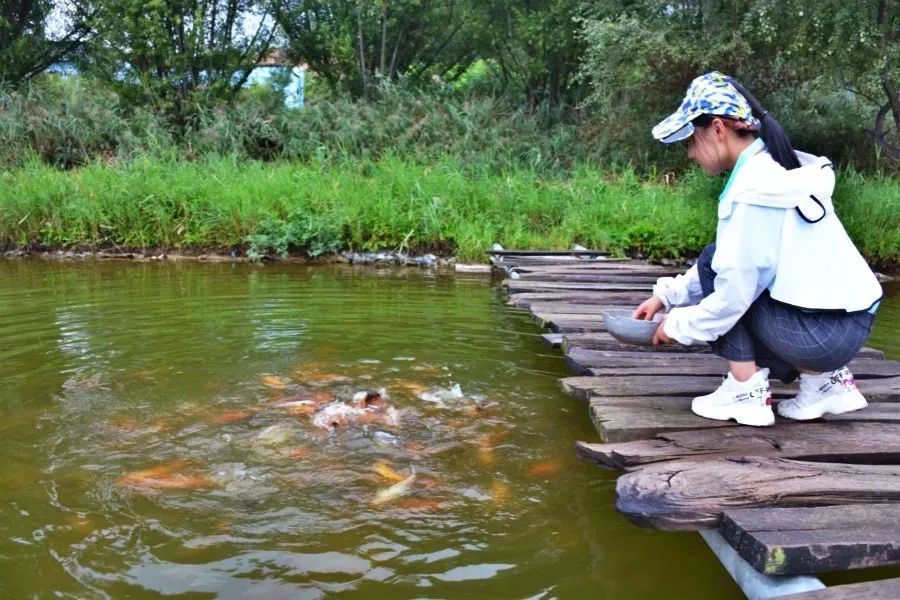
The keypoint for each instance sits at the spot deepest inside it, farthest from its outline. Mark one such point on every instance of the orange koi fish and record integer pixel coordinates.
(125, 424)
(429, 482)
(299, 407)
(500, 492)
(323, 377)
(414, 388)
(543, 468)
(164, 477)
(322, 397)
(491, 439)
(300, 453)
(273, 381)
(385, 470)
(232, 416)
(486, 455)
(414, 447)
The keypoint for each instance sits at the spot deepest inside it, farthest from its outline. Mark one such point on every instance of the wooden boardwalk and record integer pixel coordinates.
(795, 499)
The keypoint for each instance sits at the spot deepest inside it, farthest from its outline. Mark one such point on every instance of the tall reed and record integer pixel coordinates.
(370, 204)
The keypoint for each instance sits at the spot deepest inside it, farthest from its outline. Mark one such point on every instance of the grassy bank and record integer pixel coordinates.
(389, 204)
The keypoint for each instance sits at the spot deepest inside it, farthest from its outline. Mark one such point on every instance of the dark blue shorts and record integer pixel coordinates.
(781, 337)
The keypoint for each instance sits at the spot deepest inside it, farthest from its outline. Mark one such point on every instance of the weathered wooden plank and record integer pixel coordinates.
(554, 340)
(632, 418)
(642, 276)
(590, 269)
(584, 388)
(575, 326)
(549, 253)
(582, 361)
(519, 261)
(626, 419)
(604, 341)
(710, 370)
(882, 389)
(526, 299)
(690, 495)
(884, 589)
(598, 266)
(645, 281)
(872, 368)
(566, 308)
(794, 541)
(851, 442)
(546, 319)
(863, 368)
(883, 412)
(516, 286)
(575, 323)
(886, 389)
(867, 352)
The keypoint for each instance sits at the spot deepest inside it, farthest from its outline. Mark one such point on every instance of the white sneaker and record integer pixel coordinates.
(748, 402)
(833, 393)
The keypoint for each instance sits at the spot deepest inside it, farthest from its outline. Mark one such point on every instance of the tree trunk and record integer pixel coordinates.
(362, 50)
(384, 32)
(882, 130)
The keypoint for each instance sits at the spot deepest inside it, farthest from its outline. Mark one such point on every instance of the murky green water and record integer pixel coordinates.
(201, 371)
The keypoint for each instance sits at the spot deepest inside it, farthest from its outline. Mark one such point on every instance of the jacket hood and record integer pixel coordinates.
(808, 188)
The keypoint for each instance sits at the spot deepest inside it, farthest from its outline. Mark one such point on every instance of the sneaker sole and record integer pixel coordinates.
(836, 405)
(754, 417)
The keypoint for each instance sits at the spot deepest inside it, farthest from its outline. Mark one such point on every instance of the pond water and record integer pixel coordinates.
(157, 441)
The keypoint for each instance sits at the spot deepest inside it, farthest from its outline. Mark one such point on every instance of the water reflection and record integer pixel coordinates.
(160, 436)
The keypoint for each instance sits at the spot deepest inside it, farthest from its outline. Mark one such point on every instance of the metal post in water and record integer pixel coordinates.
(755, 585)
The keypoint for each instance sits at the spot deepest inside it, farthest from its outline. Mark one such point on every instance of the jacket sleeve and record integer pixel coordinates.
(745, 261)
(682, 290)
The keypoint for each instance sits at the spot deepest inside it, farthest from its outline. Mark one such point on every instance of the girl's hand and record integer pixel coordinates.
(648, 309)
(660, 336)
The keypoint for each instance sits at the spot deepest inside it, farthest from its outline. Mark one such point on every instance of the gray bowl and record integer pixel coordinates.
(623, 327)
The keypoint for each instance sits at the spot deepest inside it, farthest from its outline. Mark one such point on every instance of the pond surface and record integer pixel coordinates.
(157, 441)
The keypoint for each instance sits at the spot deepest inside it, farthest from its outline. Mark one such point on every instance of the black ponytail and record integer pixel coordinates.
(777, 142)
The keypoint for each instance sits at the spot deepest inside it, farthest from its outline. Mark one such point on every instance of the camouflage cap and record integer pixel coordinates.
(709, 94)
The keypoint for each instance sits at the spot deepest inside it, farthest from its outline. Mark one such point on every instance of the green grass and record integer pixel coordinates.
(373, 205)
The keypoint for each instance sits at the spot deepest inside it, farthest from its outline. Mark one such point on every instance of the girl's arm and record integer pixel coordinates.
(745, 261)
(682, 290)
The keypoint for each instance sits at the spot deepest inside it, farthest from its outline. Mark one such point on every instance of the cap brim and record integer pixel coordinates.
(681, 134)
(674, 128)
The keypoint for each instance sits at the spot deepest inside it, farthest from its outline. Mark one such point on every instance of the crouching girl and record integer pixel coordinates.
(783, 291)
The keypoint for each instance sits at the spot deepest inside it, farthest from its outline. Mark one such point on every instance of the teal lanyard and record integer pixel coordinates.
(751, 150)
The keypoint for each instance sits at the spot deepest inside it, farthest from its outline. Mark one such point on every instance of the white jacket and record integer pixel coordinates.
(762, 243)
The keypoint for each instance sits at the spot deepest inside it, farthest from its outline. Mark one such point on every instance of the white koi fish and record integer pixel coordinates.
(395, 491)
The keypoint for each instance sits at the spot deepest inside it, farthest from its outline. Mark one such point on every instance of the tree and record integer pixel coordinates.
(27, 48)
(536, 42)
(857, 44)
(641, 54)
(354, 44)
(179, 54)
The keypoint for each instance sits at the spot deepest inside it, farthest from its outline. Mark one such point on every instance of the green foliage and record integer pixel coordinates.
(483, 77)
(389, 204)
(68, 123)
(835, 61)
(71, 122)
(488, 82)
(177, 55)
(300, 230)
(537, 47)
(355, 45)
(26, 48)
(869, 208)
